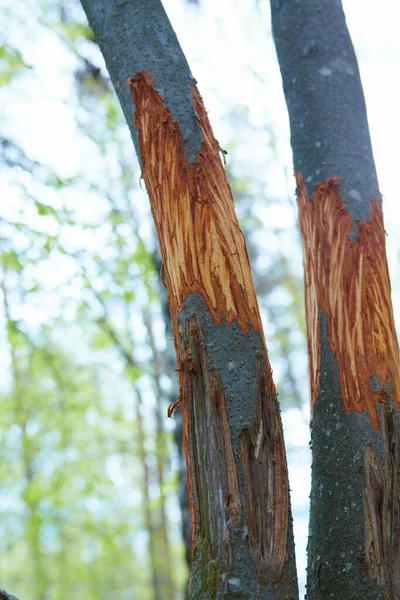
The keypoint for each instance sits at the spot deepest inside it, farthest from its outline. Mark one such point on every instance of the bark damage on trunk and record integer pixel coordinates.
(237, 475)
(353, 544)
(348, 279)
(201, 243)
(382, 510)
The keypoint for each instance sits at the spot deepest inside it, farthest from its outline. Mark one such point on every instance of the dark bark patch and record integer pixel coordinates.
(326, 106)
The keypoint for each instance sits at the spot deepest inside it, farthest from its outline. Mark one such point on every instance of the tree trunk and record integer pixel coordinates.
(237, 476)
(33, 522)
(148, 521)
(170, 366)
(161, 455)
(353, 549)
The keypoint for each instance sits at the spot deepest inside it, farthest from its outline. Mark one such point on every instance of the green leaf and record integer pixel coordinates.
(50, 243)
(10, 260)
(113, 115)
(100, 340)
(11, 64)
(54, 181)
(129, 295)
(45, 209)
(74, 31)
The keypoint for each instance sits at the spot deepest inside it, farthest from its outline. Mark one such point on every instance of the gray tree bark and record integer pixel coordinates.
(242, 541)
(353, 548)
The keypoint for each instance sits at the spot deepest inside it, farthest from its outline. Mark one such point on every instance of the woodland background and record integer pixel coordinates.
(88, 464)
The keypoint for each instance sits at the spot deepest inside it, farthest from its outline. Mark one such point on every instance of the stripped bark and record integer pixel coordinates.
(200, 239)
(353, 549)
(349, 281)
(237, 476)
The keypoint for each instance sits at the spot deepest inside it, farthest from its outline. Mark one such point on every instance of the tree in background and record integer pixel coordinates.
(237, 475)
(354, 540)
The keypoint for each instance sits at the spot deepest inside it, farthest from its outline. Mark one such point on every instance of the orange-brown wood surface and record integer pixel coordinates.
(202, 247)
(349, 281)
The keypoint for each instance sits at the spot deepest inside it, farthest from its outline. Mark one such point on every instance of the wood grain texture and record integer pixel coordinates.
(202, 246)
(238, 485)
(349, 281)
(267, 491)
(382, 505)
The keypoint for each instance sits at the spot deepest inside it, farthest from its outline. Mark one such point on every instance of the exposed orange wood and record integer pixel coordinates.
(202, 247)
(232, 499)
(349, 281)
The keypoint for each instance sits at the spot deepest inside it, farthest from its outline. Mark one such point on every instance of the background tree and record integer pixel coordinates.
(353, 548)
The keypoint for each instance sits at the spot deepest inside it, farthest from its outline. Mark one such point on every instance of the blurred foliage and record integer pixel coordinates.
(88, 470)
(11, 64)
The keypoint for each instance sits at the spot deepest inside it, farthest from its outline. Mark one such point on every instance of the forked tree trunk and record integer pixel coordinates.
(237, 476)
(353, 549)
